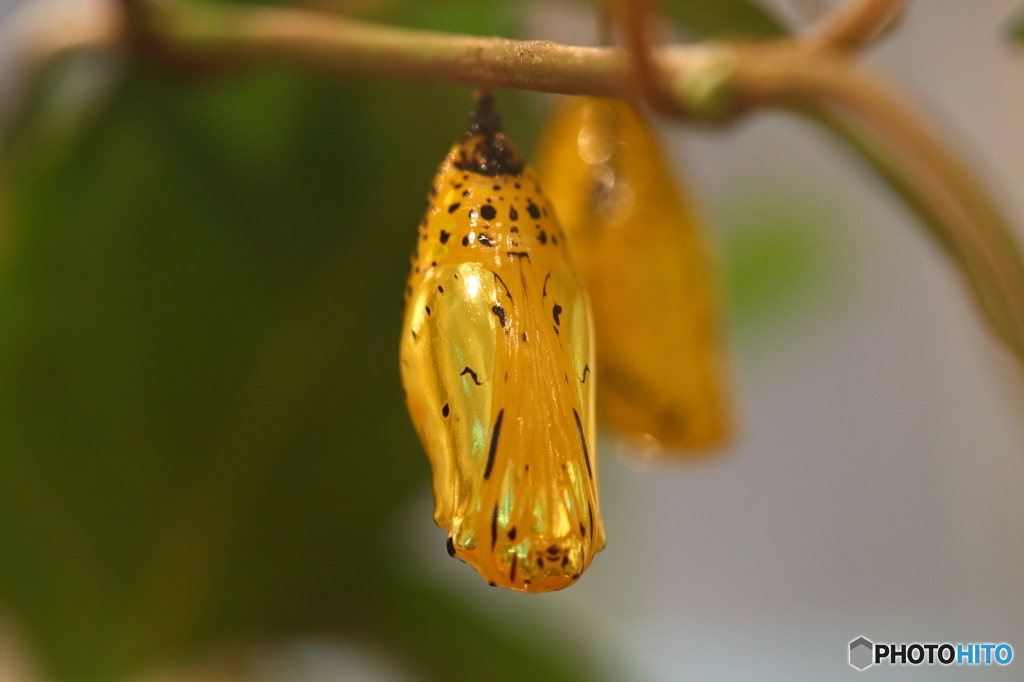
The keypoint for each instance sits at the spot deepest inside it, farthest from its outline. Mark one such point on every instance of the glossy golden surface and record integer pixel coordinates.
(643, 258)
(497, 365)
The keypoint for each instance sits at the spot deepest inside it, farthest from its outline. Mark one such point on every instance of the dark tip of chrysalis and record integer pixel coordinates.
(486, 150)
(485, 119)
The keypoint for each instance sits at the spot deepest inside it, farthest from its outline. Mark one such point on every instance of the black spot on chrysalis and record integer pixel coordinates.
(488, 212)
(453, 208)
(500, 312)
(556, 312)
(445, 411)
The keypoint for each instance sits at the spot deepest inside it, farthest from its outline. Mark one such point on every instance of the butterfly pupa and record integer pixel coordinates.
(498, 370)
(642, 255)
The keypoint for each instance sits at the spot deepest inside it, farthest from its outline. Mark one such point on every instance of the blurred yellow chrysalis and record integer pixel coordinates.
(497, 365)
(642, 256)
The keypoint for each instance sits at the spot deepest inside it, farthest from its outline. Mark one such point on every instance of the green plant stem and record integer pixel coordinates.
(951, 203)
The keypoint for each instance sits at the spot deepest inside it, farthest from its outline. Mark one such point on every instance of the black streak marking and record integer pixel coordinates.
(413, 334)
(542, 237)
(500, 312)
(427, 308)
(494, 527)
(555, 312)
(544, 291)
(512, 573)
(525, 338)
(540, 561)
(512, 533)
(507, 292)
(533, 211)
(440, 288)
(586, 371)
(445, 411)
(583, 530)
(453, 208)
(488, 212)
(451, 546)
(590, 513)
(444, 236)
(520, 254)
(513, 214)
(554, 240)
(583, 440)
(471, 373)
(494, 444)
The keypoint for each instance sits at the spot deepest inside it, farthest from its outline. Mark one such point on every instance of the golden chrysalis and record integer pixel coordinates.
(497, 365)
(643, 258)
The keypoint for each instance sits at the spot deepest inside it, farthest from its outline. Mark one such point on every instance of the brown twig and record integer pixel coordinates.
(853, 25)
(636, 17)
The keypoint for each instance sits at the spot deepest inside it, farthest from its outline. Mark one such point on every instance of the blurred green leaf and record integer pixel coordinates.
(703, 19)
(780, 263)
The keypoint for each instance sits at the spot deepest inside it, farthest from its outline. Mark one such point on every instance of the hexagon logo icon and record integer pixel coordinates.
(861, 653)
